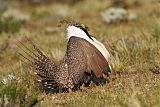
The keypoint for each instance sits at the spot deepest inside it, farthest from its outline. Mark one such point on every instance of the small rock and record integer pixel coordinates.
(115, 15)
(15, 14)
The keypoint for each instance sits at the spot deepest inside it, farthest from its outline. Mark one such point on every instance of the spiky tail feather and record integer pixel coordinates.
(45, 68)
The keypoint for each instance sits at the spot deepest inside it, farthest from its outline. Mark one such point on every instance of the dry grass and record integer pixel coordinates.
(134, 46)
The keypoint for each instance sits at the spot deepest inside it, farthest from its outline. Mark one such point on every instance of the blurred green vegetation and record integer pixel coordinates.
(9, 25)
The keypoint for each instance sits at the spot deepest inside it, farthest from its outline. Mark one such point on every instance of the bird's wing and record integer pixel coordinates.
(96, 62)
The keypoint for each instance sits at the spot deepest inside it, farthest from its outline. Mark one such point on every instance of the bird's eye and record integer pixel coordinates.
(84, 27)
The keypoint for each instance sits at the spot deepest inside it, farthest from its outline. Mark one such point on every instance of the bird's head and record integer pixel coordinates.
(78, 30)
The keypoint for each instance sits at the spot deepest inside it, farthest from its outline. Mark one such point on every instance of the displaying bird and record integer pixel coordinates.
(86, 59)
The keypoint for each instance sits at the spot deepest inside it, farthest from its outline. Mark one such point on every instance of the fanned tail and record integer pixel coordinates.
(45, 67)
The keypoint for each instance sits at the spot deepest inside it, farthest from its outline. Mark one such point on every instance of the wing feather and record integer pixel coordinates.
(96, 62)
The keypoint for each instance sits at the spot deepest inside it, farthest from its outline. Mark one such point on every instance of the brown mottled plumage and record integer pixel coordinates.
(82, 61)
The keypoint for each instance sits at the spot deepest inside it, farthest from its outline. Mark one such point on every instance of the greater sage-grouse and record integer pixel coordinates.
(86, 59)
